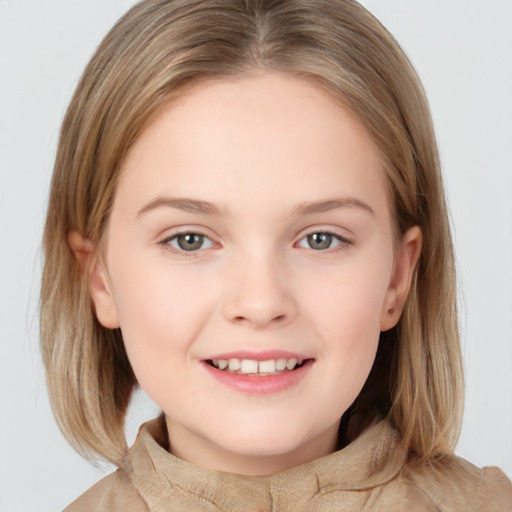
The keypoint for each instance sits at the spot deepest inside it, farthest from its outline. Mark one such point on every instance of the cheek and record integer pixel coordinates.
(350, 339)
(350, 300)
(346, 309)
(160, 312)
(351, 331)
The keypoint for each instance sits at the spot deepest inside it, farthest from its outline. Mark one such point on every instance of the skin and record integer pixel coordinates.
(261, 149)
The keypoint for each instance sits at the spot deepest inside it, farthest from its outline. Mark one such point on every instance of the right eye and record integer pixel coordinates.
(323, 241)
(189, 242)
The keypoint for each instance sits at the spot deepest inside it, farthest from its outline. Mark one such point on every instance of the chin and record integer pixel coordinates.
(265, 441)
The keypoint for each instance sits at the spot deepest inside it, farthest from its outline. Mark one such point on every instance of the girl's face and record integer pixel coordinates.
(251, 228)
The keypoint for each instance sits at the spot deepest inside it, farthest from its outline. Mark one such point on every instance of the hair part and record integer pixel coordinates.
(158, 49)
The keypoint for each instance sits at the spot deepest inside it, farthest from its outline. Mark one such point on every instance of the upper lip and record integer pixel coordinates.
(258, 355)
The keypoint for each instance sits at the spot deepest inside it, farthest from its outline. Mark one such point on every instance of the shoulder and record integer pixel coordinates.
(453, 483)
(114, 493)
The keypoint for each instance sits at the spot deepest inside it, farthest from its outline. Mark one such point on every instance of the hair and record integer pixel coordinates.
(155, 51)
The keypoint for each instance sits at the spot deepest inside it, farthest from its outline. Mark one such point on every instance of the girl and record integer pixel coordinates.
(247, 220)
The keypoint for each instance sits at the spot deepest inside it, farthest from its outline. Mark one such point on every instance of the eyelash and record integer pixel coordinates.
(166, 243)
(342, 242)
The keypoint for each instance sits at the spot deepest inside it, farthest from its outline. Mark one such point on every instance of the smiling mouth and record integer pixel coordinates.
(259, 368)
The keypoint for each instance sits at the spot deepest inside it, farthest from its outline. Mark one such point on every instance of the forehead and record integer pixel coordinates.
(258, 138)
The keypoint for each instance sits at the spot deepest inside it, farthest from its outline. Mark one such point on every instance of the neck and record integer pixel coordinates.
(201, 452)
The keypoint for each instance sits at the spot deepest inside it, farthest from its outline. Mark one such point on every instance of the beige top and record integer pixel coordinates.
(370, 474)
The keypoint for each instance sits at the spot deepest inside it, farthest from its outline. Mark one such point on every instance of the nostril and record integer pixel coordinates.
(278, 318)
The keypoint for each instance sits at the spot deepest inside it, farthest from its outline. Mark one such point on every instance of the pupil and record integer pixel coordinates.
(190, 242)
(320, 240)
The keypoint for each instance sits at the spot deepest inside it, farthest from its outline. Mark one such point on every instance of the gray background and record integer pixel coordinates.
(463, 52)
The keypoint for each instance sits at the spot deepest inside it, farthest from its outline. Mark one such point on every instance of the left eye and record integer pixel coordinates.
(320, 241)
(189, 242)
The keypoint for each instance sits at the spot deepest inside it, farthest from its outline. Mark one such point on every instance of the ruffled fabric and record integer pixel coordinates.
(373, 473)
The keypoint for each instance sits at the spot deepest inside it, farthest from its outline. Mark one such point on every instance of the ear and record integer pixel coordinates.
(401, 279)
(99, 286)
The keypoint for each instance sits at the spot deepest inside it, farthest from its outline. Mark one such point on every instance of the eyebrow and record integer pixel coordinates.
(183, 203)
(311, 207)
(205, 207)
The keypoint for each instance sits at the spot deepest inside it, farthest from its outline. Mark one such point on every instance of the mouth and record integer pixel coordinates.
(264, 368)
(261, 373)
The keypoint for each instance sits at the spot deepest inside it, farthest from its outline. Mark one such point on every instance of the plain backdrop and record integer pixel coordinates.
(462, 50)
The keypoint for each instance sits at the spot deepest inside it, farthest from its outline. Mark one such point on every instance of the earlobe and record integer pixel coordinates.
(400, 283)
(101, 294)
(99, 286)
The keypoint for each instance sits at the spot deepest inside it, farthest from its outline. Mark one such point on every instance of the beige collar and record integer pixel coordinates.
(373, 459)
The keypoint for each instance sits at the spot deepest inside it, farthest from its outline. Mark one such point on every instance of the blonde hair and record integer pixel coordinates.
(158, 48)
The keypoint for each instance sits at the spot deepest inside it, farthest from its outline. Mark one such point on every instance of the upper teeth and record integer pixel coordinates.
(247, 366)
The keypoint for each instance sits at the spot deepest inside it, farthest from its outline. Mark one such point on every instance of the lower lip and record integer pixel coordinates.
(257, 384)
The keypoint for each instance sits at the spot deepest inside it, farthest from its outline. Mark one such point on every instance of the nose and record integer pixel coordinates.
(259, 293)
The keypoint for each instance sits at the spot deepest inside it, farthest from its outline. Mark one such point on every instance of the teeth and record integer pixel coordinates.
(234, 364)
(291, 364)
(267, 366)
(280, 364)
(251, 366)
(248, 366)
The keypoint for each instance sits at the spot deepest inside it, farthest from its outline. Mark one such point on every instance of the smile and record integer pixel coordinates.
(259, 374)
(254, 367)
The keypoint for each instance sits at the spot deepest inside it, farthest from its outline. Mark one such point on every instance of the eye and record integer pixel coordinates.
(322, 241)
(189, 242)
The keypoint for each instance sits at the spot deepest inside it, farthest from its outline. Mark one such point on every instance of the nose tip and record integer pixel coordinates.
(259, 299)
